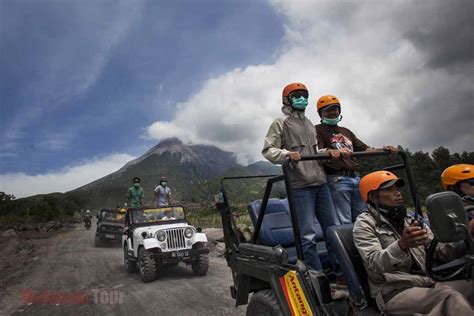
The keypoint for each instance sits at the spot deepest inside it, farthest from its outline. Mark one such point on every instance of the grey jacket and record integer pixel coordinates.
(387, 265)
(294, 132)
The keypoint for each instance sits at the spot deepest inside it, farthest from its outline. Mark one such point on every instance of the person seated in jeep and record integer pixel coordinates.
(139, 217)
(460, 179)
(393, 249)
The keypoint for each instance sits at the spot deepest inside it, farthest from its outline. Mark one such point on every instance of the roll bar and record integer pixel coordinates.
(272, 179)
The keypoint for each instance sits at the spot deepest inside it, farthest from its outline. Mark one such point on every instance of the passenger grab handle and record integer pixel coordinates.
(357, 154)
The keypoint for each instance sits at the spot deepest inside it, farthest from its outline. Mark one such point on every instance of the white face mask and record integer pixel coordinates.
(136, 184)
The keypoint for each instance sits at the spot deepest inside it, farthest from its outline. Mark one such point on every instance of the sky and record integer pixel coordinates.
(86, 86)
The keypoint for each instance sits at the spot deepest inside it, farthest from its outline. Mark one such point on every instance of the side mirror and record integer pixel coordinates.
(447, 216)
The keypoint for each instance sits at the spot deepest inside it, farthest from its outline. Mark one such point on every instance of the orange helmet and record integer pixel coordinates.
(326, 100)
(378, 180)
(290, 88)
(456, 173)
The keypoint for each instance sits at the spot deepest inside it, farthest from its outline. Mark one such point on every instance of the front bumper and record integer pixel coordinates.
(109, 235)
(186, 255)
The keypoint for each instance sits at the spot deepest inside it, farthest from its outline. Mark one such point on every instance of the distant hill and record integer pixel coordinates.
(193, 173)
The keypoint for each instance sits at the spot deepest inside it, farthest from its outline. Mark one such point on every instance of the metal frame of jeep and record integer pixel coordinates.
(265, 271)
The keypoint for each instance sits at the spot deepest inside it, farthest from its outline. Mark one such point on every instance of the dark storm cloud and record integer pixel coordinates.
(444, 30)
(442, 111)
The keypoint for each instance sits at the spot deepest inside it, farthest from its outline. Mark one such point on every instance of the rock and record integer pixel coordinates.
(219, 248)
(246, 231)
(51, 225)
(214, 234)
(9, 233)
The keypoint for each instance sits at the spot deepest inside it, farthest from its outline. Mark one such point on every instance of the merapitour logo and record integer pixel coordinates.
(84, 297)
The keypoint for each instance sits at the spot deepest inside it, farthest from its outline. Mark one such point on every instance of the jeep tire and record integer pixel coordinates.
(146, 265)
(130, 265)
(201, 265)
(264, 303)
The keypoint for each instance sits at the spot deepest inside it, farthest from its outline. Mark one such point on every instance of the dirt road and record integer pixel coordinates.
(75, 278)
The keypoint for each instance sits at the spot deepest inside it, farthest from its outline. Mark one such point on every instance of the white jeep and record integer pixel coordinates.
(157, 237)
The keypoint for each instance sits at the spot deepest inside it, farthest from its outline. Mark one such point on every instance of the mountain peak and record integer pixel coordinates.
(170, 142)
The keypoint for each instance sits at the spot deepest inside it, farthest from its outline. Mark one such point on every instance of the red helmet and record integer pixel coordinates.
(289, 89)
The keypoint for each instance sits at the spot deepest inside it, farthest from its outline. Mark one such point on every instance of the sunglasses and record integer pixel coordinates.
(298, 94)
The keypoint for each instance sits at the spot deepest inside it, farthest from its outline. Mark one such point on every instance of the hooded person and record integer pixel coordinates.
(293, 135)
(393, 246)
(342, 171)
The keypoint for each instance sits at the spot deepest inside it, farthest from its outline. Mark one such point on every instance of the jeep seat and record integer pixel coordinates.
(276, 229)
(351, 264)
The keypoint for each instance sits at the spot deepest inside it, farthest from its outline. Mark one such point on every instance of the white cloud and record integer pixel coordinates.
(358, 51)
(21, 185)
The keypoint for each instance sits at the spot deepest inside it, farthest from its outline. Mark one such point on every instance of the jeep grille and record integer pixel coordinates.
(175, 239)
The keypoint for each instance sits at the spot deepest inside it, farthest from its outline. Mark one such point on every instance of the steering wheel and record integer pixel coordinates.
(444, 272)
(448, 271)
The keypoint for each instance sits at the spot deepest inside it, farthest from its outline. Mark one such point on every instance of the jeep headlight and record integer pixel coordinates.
(161, 235)
(188, 232)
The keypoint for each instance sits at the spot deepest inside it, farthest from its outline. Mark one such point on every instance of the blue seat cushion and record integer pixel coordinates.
(276, 228)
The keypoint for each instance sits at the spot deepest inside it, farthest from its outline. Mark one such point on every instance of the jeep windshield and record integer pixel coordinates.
(154, 215)
(112, 215)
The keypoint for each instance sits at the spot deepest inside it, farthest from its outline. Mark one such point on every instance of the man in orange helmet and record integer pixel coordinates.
(340, 142)
(293, 136)
(460, 179)
(393, 248)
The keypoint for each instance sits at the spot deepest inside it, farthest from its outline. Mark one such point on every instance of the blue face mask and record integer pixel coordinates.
(299, 103)
(163, 184)
(331, 122)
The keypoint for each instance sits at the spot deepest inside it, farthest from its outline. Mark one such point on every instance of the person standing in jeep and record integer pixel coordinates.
(162, 194)
(293, 135)
(135, 194)
(342, 176)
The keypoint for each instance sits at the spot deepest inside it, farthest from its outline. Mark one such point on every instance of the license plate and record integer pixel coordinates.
(180, 254)
(109, 236)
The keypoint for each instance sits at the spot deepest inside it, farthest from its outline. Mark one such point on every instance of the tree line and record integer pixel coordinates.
(426, 168)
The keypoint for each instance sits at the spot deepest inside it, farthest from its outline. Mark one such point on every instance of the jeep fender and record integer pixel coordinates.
(199, 237)
(149, 243)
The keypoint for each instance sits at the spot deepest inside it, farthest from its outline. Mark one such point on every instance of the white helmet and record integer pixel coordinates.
(88, 211)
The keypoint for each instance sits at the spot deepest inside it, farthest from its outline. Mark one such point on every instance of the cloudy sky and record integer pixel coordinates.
(85, 86)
